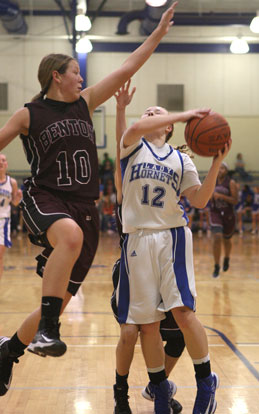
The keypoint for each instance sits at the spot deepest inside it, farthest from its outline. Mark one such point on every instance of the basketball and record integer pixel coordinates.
(206, 136)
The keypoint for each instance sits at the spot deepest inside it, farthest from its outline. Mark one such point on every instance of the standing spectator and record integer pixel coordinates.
(9, 194)
(240, 168)
(222, 217)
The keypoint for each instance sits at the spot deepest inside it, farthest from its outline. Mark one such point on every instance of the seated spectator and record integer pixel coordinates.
(245, 206)
(107, 208)
(240, 168)
(107, 173)
(255, 211)
(106, 157)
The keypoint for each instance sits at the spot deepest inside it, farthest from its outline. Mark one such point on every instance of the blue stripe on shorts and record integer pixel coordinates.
(124, 296)
(179, 257)
(7, 241)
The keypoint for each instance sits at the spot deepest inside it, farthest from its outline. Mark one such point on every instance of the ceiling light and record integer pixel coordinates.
(254, 26)
(156, 3)
(84, 45)
(83, 23)
(239, 46)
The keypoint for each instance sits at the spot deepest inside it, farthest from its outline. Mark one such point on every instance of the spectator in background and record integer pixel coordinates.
(107, 208)
(247, 200)
(106, 157)
(255, 211)
(204, 216)
(240, 168)
(107, 173)
(9, 193)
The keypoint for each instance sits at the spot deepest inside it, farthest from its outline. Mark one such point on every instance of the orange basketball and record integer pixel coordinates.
(206, 136)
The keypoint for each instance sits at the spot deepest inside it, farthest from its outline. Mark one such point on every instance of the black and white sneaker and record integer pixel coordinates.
(47, 339)
(7, 360)
(121, 403)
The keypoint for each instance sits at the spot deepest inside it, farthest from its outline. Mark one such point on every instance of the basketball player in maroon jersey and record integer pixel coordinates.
(222, 217)
(59, 198)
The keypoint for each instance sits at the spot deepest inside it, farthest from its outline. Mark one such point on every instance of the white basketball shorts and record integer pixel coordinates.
(5, 232)
(156, 275)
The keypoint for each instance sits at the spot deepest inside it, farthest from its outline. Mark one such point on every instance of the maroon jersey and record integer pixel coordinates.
(61, 148)
(223, 188)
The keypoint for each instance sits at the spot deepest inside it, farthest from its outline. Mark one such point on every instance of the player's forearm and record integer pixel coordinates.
(120, 123)
(144, 51)
(149, 124)
(205, 191)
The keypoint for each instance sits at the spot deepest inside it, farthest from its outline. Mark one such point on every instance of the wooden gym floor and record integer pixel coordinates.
(81, 381)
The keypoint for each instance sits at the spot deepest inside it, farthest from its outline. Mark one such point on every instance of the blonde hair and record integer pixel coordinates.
(51, 62)
(185, 149)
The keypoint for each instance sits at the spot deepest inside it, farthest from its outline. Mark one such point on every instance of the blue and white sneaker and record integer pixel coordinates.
(149, 394)
(175, 405)
(162, 397)
(205, 402)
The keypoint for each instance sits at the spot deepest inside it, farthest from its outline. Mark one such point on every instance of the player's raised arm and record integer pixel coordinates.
(123, 97)
(156, 119)
(97, 94)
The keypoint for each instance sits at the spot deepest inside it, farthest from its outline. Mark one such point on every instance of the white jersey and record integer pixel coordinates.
(152, 180)
(6, 190)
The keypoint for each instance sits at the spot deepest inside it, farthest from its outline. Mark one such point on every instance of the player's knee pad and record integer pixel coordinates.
(174, 346)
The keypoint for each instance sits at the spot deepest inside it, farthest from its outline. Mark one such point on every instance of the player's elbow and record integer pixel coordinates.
(132, 135)
(199, 202)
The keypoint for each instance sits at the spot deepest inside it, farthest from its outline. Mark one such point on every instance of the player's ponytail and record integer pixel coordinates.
(185, 149)
(50, 63)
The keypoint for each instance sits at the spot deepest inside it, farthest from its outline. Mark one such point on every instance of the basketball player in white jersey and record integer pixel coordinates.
(9, 193)
(156, 272)
(171, 334)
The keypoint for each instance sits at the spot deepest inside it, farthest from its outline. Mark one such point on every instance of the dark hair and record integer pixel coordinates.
(169, 135)
(51, 62)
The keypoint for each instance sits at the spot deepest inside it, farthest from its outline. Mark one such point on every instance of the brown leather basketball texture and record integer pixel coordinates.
(206, 136)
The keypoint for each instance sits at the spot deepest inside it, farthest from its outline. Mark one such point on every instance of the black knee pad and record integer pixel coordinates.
(174, 346)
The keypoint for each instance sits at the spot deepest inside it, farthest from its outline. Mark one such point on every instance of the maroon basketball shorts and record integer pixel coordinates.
(42, 208)
(223, 221)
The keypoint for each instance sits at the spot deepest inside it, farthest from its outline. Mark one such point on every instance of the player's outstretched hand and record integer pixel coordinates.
(123, 96)
(223, 153)
(194, 113)
(166, 20)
